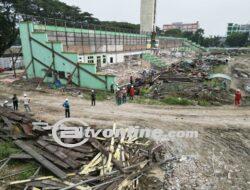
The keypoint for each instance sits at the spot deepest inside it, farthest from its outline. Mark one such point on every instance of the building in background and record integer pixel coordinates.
(10, 56)
(243, 28)
(184, 27)
(148, 16)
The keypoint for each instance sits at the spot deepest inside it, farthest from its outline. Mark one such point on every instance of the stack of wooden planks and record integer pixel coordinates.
(100, 163)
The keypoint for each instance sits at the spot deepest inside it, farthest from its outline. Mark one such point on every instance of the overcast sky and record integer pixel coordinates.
(212, 14)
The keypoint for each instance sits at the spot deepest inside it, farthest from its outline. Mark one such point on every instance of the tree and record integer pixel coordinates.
(198, 36)
(8, 34)
(188, 35)
(120, 26)
(212, 41)
(174, 33)
(11, 12)
(237, 39)
(8, 30)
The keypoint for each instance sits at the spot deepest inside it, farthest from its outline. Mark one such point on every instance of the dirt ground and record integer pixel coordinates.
(48, 106)
(218, 159)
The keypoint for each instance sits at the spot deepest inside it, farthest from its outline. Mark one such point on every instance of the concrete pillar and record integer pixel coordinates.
(148, 16)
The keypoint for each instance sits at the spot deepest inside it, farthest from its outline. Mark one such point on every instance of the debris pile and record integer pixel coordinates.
(125, 70)
(194, 79)
(100, 163)
(190, 70)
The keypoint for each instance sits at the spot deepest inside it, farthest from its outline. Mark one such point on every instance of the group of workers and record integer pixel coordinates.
(122, 94)
(15, 101)
(26, 103)
(121, 97)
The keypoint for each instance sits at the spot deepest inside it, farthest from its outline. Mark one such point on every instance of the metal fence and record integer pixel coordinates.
(74, 24)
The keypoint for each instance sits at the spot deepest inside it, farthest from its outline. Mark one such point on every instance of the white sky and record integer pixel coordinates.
(212, 14)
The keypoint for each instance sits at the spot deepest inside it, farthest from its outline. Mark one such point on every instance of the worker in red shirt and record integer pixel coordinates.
(238, 98)
(132, 93)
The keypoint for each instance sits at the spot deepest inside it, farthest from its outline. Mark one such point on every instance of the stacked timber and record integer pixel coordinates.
(101, 163)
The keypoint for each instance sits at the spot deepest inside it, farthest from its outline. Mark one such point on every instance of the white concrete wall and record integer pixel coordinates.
(147, 15)
(6, 62)
(117, 58)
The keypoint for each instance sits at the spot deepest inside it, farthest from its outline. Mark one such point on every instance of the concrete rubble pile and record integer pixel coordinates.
(190, 69)
(125, 70)
(194, 79)
(101, 163)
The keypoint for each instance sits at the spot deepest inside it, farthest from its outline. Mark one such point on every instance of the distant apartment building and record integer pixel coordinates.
(184, 27)
(243, 28)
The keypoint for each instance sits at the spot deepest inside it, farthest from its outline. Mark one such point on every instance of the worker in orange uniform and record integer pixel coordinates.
(238, 98)
(132, 93)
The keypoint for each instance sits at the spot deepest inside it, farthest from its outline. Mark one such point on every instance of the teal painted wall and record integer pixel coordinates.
(31, 49)
(78, 30)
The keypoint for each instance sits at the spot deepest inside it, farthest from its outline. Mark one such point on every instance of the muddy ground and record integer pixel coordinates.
(219, 158)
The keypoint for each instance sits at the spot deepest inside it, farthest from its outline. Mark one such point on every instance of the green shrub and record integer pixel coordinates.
(146, 101)
(100, 95)
(203, 103)
(6, 149)
(145, 91)
(219, 68)
(177, 101)
(165, 101)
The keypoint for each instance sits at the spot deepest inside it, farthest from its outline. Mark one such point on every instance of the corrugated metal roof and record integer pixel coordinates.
(220, 75)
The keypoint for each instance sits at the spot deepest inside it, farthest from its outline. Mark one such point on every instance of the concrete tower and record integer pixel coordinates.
(148, 16)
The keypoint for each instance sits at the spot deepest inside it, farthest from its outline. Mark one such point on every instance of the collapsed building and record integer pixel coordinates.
(54, 52)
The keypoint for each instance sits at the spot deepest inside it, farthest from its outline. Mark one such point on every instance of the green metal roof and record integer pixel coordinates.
(220, 75)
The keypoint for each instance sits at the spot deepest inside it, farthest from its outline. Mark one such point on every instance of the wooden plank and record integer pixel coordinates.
(21, 156)
(58, 151)
(103, 150)
(15, 116)
(5, 163)
(7, 122)
(86, 149)
(43, 161)
(27, 128)
(54, 159)
(33, 176)
(46, 184)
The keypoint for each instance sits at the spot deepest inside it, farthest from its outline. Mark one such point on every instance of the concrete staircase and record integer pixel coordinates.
(154, 60)
(194, 46)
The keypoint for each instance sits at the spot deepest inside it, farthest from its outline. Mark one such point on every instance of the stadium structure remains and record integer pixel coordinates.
(53, 52)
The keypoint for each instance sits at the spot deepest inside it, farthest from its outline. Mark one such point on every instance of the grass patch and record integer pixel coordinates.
(204, 103)
(220, 68)
(147, 101)
(26, 169)
(165, 101)
(6, 149)
(177, 101)
(31, 169)
(100, 95)
(145, 91)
